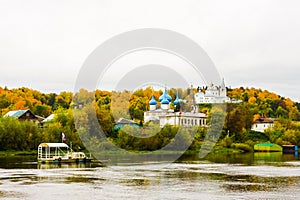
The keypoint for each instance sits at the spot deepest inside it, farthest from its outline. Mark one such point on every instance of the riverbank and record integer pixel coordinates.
(18, 153)
(216, 149)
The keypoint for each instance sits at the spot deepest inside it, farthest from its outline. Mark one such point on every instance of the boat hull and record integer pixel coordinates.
(47, 161)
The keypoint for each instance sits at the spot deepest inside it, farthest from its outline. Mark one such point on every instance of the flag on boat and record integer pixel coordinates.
(63, 137)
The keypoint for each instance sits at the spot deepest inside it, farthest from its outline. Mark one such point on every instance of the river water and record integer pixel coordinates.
(241, 176)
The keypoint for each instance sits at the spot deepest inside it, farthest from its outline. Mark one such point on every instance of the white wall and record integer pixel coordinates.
(261, 127)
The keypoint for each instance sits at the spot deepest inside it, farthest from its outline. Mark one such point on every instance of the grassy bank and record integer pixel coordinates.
(17, 153)
(225, 150)
(218, 149)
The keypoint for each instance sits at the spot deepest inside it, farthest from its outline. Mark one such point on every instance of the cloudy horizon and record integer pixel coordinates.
(252, 43)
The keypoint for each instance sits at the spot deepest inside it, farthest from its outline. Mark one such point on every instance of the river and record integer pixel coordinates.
(237, 176)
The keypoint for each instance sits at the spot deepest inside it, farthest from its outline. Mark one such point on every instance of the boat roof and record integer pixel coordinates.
(53, 145)
(266, 144)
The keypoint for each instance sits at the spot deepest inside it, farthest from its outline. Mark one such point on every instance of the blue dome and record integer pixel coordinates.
(176, 101)
(165, 95)
(152, 101)
(165, 101)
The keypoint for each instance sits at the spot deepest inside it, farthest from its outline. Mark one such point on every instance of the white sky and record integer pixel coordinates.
(253, 43)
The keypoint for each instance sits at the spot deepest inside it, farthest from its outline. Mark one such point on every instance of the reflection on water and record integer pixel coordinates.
(18, 162)
(30, 162)
(257, 158)
(239, 176)
(68, 165)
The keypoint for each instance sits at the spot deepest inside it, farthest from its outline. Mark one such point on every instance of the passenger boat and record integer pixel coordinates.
(267, 147)
(60, 153)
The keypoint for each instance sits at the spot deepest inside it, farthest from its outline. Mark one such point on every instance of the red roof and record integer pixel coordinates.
(264, 120)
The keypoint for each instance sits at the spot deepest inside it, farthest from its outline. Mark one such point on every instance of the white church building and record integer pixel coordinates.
(164, 115)
(214, 94)
(185, 119)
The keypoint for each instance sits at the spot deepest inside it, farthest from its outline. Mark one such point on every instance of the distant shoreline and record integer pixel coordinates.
(217, 150)
(18, 153)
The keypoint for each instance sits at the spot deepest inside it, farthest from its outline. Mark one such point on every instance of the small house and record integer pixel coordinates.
(22, 115)
(125, 122)
(262, 123)
(48, 119)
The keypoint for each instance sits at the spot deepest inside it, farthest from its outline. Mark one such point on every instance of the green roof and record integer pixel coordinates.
(15, 113)
(265, 144)
(267, 147)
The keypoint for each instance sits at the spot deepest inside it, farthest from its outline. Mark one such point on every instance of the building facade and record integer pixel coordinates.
(22, 115)
(185, 119)
(261, 124)
(125, 122)
(164, 115)
(213, 94)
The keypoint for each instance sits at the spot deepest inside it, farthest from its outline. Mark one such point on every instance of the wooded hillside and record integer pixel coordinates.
(110, 106)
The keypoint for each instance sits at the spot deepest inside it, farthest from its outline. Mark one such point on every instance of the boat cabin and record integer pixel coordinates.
(59, 152)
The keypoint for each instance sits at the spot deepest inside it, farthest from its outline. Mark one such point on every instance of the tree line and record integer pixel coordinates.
(27, 135)
(108, 107)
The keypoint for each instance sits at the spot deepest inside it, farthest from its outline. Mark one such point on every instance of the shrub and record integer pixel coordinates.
(242, 146)
(226, 142)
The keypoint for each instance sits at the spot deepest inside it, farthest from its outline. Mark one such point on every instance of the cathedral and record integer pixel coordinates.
(164, 115)
(213, 94)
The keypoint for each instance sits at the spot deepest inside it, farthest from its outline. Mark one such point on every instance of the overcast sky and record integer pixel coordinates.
(253, 43)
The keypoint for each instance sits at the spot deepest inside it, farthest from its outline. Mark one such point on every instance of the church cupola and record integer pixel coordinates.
(165, 95)
(223, 89)
(165, 103)
(152, 103)
(176, 102)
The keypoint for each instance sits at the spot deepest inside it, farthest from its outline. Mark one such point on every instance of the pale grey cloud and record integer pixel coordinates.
(252, 43)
